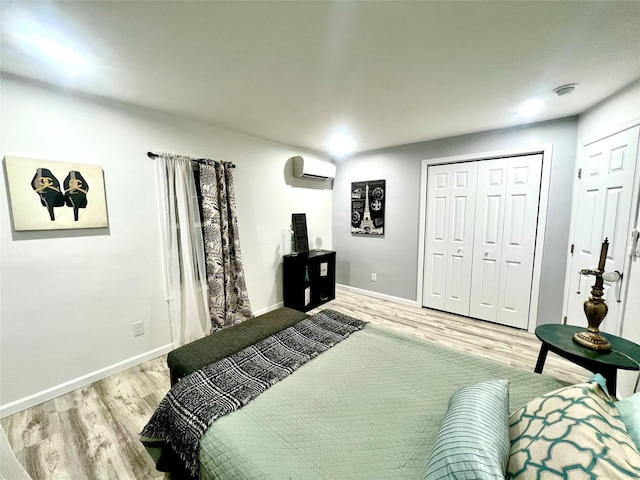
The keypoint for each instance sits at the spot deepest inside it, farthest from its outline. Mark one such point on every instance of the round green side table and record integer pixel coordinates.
(559, 339)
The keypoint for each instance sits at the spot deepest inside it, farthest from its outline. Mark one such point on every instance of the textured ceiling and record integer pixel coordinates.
(390, 73)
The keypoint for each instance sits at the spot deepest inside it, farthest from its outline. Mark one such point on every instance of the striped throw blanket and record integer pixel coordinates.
(223, 387)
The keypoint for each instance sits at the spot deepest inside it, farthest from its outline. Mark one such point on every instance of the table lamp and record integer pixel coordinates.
(595, 307)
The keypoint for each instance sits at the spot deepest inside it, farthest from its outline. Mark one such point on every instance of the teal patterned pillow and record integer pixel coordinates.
(473, 440)
(573, 432)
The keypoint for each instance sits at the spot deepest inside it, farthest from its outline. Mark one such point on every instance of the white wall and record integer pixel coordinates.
(69, 298)
(616, 110)
(621, 109)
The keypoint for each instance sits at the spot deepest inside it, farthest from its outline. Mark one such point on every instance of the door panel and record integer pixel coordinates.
(458, 286)
(460, 246)
(488, 298)
(521, 222)
(451, 211)
(612, 211)
(440, 220)
(510, 299)
(437, 276)
(516, 221)
(438, 194)
(459, 219)
(511, 189)
(493, 219)
(604, 199)
(487, 246)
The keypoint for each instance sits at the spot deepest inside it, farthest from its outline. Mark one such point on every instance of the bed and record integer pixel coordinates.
(372, 406)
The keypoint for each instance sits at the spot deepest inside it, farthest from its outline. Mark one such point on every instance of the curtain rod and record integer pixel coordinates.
(205, 161)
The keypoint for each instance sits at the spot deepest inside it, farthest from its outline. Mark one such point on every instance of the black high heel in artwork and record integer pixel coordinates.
(75, 194)
(48, 188)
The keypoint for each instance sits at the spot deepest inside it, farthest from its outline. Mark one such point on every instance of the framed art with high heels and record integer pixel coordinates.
(52, 195)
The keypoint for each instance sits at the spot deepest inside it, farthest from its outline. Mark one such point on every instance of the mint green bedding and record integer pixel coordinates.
(368, 408)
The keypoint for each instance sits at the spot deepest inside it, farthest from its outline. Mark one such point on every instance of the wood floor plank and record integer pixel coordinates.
(508, 345)
(93, 433)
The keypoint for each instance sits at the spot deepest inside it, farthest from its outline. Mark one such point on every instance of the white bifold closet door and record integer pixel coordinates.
(449, 243)
(480, 240)
(507, 201)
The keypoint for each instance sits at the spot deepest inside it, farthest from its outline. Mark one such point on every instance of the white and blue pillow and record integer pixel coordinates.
(576, 431)
(572, 432)
(473, 440)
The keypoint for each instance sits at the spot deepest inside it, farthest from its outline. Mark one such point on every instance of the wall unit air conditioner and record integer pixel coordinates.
(313, 169)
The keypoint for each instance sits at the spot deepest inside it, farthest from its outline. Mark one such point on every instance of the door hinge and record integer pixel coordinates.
(572, 247)
(579, 173)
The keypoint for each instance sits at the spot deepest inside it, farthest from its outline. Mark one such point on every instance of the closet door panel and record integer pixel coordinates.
(458, 233)
(438, 278)
(456, 288)
(518, 245)
(487, 247)
(451, 191)
(485, 296)
(437, 236)
(460, 245)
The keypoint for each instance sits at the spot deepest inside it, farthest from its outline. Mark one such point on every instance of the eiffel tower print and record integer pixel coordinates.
(367, 212)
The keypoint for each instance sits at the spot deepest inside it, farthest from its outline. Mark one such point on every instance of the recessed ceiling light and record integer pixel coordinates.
(341, 143)
(45, 37)
(530, 108)
(53, 49)
(565, 89)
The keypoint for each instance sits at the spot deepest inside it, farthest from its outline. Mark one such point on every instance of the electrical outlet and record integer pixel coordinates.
(374, 277)
(138, 328)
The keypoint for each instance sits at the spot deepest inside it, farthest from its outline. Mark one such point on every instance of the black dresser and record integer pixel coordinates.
(309, 279)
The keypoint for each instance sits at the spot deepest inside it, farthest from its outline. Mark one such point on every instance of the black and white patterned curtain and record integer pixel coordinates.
(228, 297)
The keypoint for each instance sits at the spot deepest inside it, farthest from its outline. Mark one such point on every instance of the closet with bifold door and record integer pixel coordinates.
(480, 237)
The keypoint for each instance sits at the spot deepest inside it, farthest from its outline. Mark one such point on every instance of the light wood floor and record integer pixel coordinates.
(92, 433)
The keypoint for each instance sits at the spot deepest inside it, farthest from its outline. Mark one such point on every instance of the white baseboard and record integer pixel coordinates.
(66, 387)
(268, 309)
(381, 296)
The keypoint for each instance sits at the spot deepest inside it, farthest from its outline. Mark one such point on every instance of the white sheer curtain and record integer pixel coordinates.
(183, 251)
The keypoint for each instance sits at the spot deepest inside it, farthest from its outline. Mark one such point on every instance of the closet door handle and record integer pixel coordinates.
(460, 251)
(486, 253)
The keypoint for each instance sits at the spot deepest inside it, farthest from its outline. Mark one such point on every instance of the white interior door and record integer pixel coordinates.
(438, 205)
(603, 197)
(450, 227)
(506, 220)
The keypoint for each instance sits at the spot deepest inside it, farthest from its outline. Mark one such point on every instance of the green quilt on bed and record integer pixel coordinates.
(368, 408)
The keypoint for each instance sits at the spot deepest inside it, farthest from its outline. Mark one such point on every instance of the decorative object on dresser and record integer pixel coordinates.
(309, 279)
(300, 238)
(595, 308)
(50, 195)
